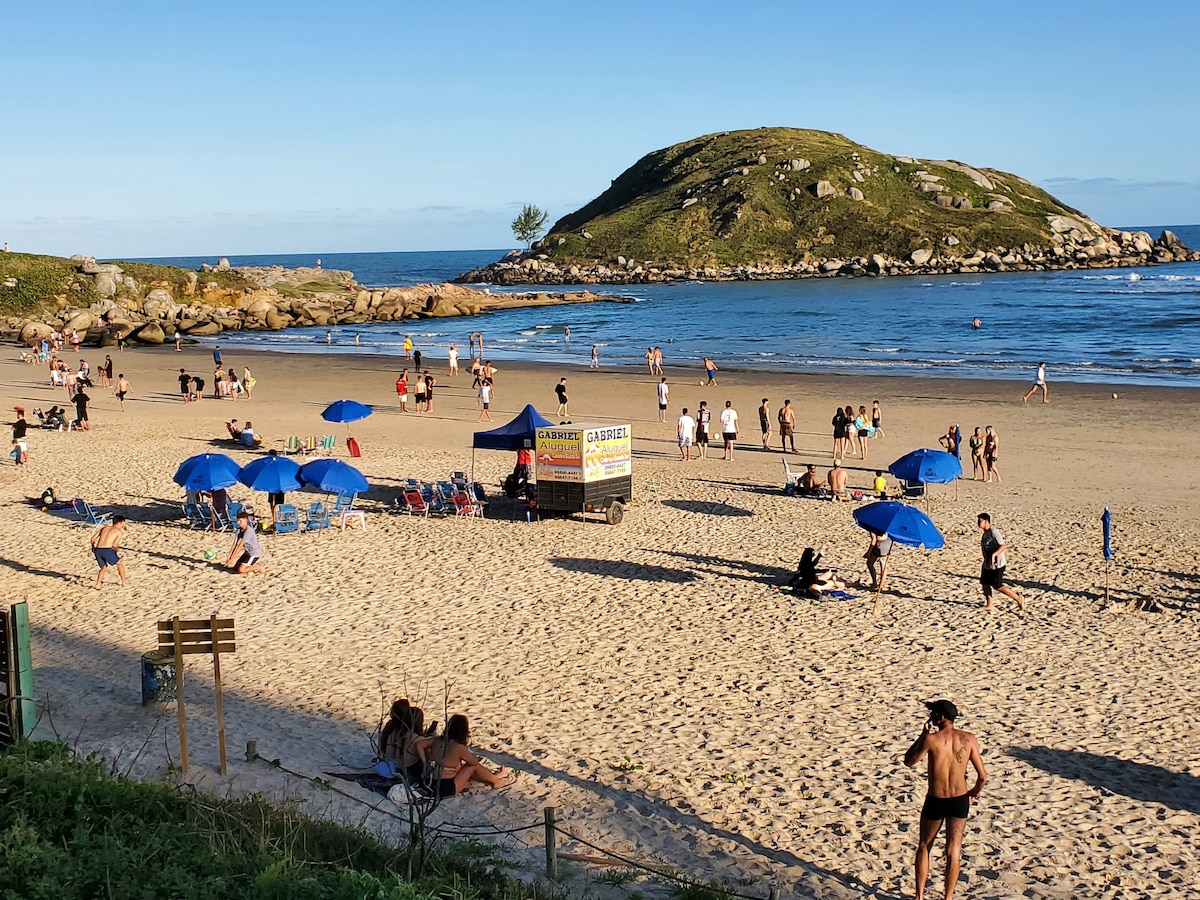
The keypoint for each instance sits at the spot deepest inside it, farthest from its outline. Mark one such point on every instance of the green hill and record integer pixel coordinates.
(751, 198)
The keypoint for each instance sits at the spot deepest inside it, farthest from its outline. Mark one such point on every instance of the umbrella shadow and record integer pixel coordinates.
(1144, 782)
(628, 571)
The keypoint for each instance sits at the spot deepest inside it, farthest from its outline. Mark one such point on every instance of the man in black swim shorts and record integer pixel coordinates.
(947, 798)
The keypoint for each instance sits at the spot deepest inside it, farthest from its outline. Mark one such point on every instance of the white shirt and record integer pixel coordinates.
(663, 392)
(1041, 375)
(485, 393)
(686, 426)
(453, 355)
(729, 420)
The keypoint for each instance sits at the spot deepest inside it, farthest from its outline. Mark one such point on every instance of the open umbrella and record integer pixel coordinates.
(333, 476)
(903, 524)
(207, 472)
(346, 411)
(271, 475)
(927, 466)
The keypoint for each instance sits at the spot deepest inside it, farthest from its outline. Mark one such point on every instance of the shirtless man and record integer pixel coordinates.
(764, 422)
(122, 389)
(105, 546)
(837, 481)
(810, 482)
(947, 799)
(787, 427)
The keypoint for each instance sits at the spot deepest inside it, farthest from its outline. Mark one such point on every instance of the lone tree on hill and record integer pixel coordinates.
(529, 224)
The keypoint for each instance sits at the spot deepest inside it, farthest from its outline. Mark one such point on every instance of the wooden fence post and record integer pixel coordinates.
(551, 848)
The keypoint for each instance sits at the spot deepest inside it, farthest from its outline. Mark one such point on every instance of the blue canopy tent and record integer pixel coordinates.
(515, 435)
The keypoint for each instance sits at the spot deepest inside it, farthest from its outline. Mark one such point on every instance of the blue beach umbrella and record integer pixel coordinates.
(345, 411)
(271, 475)
(904, 524)
(958, 444)
(207, 472)
(927, 466)
(333, 476)
(1106, 526)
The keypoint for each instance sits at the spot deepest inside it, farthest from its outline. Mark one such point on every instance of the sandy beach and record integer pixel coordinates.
(644, 678)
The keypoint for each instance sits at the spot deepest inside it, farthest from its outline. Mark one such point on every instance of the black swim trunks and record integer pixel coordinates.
(938, 808)
(992, 578)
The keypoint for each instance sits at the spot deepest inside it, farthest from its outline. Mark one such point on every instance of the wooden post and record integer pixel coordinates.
(179, 694)
(774, 893)
(551, 848)
(251, 751)
(216, 655)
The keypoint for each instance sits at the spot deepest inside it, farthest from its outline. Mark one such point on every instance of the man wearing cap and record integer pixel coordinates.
(947, 798)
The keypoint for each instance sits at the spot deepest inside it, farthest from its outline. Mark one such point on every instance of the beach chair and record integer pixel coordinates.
(343, 503)
(310, 445)
(317, 518)
(464, 506)
(89, 515)
(652, 490)
(328, 445)
(414, 503)
(459, 480)
(791, 477)
(195, 519)
(286, 519)
(291, 445)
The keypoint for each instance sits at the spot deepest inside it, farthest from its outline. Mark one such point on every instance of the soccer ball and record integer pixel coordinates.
(1114, 396)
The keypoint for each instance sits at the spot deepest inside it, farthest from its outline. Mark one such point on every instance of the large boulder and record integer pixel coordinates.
(34, 331)
(80, 321)
(150, 333)
(920, 256)
(823, 189)
(277, 320)
(205, 328)
(106, 285)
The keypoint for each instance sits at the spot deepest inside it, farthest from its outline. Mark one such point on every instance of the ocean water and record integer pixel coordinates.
(1121, 326)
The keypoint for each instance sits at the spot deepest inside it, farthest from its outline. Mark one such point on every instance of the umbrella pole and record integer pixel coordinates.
(882, 575)
(1106, 581)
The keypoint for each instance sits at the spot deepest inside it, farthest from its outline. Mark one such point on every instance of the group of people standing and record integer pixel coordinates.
(984, 444)
(697, 431)
(852, 430)
(421, 385)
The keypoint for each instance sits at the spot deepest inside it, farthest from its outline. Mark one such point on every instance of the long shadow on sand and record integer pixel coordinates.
(815, 885)
(1138, 781)
(708, 507)
(732, 568)
(616, 568)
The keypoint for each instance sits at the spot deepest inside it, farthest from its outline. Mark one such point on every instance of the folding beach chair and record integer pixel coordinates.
(464, 506)
(328, 444)
(195, 519)
(310, 445)
(291, 445)
(286, 519)
(88, 514)
(414, 503)
(317, 518)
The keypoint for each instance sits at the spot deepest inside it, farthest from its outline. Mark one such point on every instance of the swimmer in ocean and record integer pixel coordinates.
(975, 323)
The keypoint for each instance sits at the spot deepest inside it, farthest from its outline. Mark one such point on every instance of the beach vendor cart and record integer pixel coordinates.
(586, 469)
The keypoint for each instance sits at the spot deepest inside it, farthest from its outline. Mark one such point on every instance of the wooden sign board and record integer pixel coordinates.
(186, 637)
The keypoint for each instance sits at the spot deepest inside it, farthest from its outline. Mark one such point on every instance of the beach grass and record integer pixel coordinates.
(72, 828)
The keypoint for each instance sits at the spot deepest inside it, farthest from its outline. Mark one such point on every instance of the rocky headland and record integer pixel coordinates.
(777, 203)
(146, 303)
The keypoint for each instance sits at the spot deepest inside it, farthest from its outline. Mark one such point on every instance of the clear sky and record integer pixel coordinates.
(152, 129)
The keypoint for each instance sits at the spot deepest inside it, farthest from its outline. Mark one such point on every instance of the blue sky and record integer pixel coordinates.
(154, 129)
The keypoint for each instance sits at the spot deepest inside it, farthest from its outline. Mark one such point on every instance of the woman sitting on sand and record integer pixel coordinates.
(452, 766)
(811, 580)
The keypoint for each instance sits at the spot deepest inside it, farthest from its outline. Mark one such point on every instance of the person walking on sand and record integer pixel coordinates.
(178, 341)
(877, 418)
(664, 398)
(658, 369)
(485, 398)
(729, 428)
(560, 390)
(106, 546)
(764, 423)
(122, 390)
(20, 428)
(991, 452)
(408, 348)
(595, 363)
(787, 427)
(1039, 381)
(452, 359)
(650, 359)
(217, 355)
(710, 369)
(684, 428)
(994, 560)
(947, 798)
(246, 551)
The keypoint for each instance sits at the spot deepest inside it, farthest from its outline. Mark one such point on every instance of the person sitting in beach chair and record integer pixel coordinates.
(811, 580)
(234, 430)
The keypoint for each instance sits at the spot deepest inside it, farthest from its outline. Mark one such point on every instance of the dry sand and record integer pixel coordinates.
(643, 678)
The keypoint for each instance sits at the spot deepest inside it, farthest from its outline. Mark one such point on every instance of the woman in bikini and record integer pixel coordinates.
(991, 451)
(976, 442)
(452, 766)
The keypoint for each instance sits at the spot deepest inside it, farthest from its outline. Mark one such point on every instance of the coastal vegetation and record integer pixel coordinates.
(528, 225)
(71, 828)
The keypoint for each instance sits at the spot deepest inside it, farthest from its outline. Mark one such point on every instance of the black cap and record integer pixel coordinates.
(943, 708)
